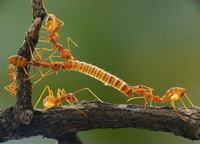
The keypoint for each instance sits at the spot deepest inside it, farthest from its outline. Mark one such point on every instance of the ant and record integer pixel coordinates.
(173, 94)
(52, 101)
(53, 24)
(15, 61)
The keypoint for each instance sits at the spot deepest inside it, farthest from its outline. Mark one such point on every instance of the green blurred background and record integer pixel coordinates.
(155, 43)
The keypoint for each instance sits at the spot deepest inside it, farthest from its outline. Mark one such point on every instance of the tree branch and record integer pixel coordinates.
(21, 120)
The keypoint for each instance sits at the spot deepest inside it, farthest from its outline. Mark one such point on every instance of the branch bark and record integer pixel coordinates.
(21, 120)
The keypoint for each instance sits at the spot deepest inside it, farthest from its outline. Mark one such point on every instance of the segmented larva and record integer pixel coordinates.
(99, 74)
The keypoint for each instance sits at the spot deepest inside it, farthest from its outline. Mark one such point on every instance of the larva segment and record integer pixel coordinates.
(18, 61)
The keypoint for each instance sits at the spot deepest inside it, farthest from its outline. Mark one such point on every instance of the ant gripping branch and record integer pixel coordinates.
(53, 24)
(173, 94)
(15, 61)
(51, 101)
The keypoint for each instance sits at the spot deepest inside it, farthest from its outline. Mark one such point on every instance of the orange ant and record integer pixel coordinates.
(147, 93)
(55, 66)
(173, 94)
(52, 101)
(18, 61)
(53, 24)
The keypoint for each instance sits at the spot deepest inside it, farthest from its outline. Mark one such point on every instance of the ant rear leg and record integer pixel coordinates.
(174, 107)
(141, 97)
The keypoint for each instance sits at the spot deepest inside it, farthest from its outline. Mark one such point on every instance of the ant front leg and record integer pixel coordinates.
(42, 75)
(83, 89)
(68, 42)
(174, 107)
(141, 97)
(191, 102)
(41, 95)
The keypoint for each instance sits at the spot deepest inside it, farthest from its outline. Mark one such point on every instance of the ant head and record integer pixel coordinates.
(55, 66)
(63, 65)
(65, 54)
(71, 98)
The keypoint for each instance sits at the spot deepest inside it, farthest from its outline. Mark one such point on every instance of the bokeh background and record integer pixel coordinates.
(155, 43)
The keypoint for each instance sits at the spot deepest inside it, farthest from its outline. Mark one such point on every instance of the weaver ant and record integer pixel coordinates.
(173, 94)
(53, 24)
(15, 61)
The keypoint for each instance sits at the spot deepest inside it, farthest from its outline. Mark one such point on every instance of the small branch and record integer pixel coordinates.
(30, 41)
(23, 109)
(63, 123)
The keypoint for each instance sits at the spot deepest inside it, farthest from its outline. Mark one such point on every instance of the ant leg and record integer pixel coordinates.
(43, 27)
(43, 31)
(11, 91)
(45, 41)
(11, 88)
(146, 87)
(134, 98)
(59, 95)
(51, 55)
(80, 111)
(40, 97)
(174, 107)
(25, 71)
(141, 97)
(151, 104)
(145, 103)
(61, 22)
(7, 87)
(183, 104)
(191, 102)
(42, 76)
(90, 92)
(68, 42)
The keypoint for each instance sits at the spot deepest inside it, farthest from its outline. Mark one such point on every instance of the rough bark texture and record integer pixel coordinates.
(21, 120)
